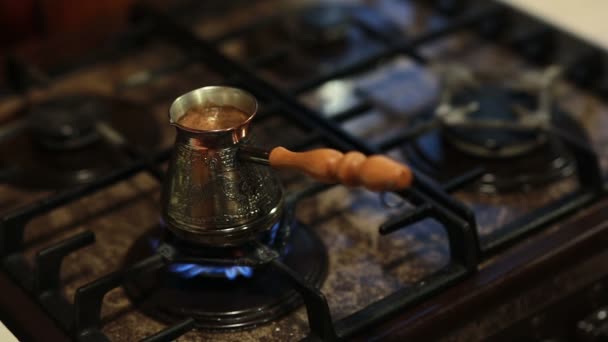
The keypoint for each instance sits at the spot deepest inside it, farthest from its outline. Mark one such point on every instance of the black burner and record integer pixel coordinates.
(495, 103)
(322, 25)
(242, 299)
(540, 159)
(61, 145)
(67, 123)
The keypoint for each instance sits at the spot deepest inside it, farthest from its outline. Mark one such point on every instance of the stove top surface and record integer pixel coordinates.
(363, 78)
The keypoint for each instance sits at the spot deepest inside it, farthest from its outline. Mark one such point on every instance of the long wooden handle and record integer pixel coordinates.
(376, 173)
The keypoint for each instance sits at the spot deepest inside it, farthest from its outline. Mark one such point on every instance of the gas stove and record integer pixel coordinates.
(502, 235)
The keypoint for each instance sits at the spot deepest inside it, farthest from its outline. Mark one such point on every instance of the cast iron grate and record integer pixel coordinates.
(81, 320)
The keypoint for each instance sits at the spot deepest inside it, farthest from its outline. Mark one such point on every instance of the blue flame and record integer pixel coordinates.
(189, 270)
(192, 270)
(273, 232)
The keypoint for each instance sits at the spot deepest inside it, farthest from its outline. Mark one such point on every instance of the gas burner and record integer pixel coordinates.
(224, 297)
(435, 155)
(492, 127)
(321, 25)
(62, 144)
(67, 123)
(503, 129)
(491, 120)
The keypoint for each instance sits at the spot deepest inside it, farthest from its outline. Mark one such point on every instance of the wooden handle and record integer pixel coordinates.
(376, 173)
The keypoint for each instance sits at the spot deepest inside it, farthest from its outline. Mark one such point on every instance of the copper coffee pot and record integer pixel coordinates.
(219, 190)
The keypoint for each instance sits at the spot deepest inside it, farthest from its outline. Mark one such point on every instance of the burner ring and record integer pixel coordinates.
(442, 160)
(491, 148)
(67, 123)
(44, 157)
(220, 304)
(320, 25)
(493, 122)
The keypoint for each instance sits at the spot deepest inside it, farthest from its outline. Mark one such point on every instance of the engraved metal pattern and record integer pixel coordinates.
(210, 193)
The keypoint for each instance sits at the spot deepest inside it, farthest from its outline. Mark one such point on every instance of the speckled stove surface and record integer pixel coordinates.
(363, 266)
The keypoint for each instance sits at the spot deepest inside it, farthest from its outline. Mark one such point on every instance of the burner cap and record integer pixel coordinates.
(60, 146)
(322, 25)
(494, 104)
(67, 123)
